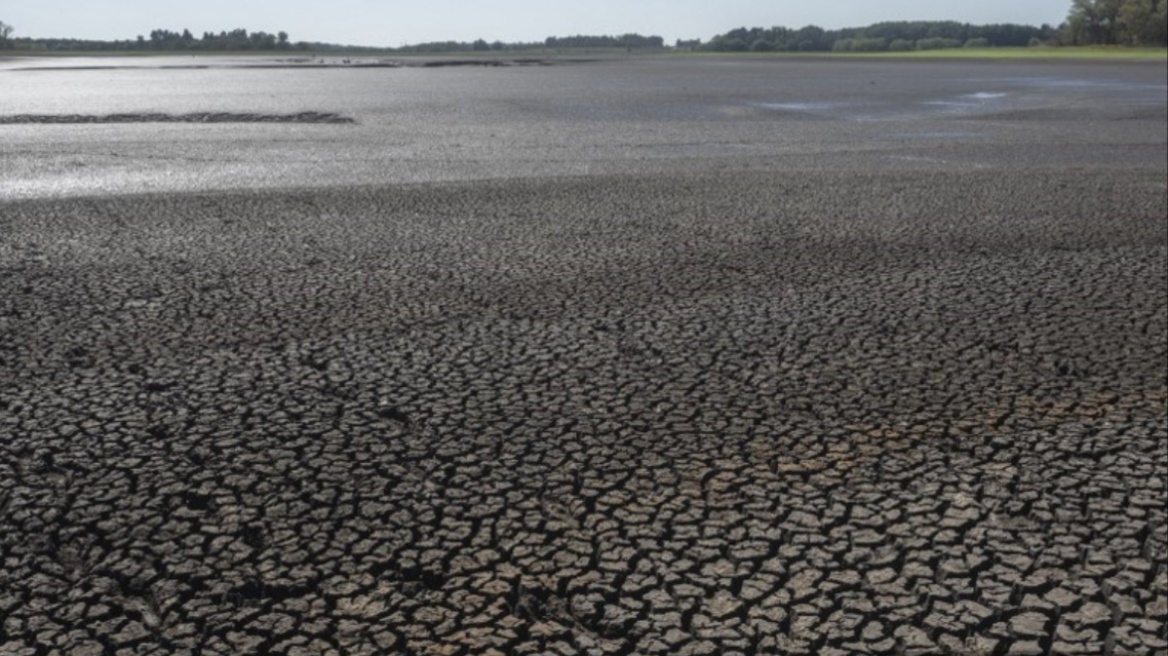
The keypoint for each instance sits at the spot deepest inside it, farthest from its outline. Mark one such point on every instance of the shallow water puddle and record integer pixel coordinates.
(888, 111)
(968, 102)
(986, 95)
(803, 106)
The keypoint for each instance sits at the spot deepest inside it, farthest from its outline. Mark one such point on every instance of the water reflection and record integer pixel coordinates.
(637, 115)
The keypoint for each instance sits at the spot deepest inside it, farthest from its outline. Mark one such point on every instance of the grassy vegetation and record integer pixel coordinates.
(1074, 52)
(1084, 53)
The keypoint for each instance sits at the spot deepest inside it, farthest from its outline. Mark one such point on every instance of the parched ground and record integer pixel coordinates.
(772, 413)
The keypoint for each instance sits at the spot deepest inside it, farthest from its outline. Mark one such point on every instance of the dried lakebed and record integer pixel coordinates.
(758, 413)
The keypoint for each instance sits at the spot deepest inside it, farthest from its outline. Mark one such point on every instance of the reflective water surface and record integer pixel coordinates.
(415, 124)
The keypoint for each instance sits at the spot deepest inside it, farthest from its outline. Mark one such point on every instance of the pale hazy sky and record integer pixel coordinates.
(398, 22)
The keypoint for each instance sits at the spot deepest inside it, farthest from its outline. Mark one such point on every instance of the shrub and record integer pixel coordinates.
(937, 43)
(869, 45)
(735, 45)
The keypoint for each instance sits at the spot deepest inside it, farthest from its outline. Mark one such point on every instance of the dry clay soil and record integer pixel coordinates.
(752, 413)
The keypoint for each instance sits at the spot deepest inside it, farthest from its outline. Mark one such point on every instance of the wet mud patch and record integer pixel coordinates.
(446, 63)
(156, 117)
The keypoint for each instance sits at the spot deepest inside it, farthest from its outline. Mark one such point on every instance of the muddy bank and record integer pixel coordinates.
(154, 117)
(181, 63)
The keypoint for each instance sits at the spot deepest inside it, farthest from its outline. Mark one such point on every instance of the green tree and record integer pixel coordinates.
(937, 43)
(1144, 22)
(811, 37)
(1094, 22)
(5, 32)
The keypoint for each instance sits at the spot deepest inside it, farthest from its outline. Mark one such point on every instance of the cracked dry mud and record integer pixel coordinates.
(801, 413)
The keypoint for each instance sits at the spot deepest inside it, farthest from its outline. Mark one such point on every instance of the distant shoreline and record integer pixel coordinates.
(380, 59)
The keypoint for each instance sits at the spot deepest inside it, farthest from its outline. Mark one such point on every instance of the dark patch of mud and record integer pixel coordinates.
(195, 117)
(445, 63)
(310, 63)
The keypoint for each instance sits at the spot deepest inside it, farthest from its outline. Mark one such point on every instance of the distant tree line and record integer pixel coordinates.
(238, 39)
(479, 45)
(241, 39)
(162, 40)
(1117, 22)
(887, 36)
(1090, 22)
(633, 41)
(625, 41)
